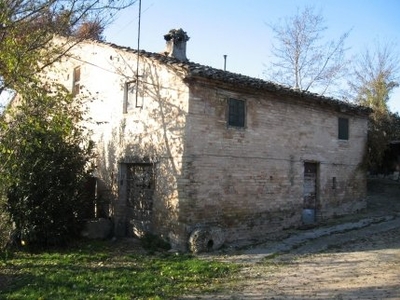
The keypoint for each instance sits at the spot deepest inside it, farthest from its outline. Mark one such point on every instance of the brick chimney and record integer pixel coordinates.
(176, 44)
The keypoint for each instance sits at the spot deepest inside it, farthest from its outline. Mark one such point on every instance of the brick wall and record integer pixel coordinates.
(250, 181)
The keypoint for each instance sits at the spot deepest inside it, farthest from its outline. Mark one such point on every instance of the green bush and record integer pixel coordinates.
(153, 242)
(45, 165)
(5, 228)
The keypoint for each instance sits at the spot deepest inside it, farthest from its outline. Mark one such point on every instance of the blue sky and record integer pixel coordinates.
(238, 28)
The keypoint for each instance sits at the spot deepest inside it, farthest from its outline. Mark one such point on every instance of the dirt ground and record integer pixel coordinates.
(360, 263)
(365, 268)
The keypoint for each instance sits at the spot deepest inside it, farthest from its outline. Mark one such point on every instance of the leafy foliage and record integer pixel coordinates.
(375, 76)
(90, 30)
(382, 129)
(43, 152)
(374, 79)
(153, 242)
(44, 164)
(5, 226)
(28, 26)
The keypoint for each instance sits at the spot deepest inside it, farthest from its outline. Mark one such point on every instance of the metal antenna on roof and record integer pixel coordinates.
(138, 56)
(225, 61)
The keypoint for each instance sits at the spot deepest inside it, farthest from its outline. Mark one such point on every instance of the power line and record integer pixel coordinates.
(138, 55)
(133, 20)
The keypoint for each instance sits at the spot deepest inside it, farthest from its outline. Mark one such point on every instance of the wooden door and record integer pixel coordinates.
(140, 190)
(310, 185)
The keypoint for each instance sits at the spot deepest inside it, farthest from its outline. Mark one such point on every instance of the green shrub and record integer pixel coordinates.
(43, 174)
(153, 242)
(5, 229)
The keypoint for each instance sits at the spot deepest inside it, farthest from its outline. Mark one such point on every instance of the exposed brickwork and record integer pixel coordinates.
(250, 181)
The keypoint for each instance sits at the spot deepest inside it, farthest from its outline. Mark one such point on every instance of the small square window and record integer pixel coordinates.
(343, 129)
(236, 113)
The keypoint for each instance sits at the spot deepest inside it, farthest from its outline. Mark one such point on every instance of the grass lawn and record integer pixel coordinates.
(102, 270)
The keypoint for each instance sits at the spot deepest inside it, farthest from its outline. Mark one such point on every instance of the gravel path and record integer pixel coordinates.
(360, 264)
(357, 258)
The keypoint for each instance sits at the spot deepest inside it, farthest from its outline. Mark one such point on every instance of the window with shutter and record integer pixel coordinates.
(343, 129)
(236, 113)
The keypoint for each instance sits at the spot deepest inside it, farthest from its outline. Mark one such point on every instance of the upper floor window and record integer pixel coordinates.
(343, 129)
(236, 113)
(129, 96)
(131, 99)
(76, 78)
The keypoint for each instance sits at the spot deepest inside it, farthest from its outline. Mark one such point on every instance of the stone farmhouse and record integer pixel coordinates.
(204, 157)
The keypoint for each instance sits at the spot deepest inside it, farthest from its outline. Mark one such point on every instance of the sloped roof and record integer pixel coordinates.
(193, 70)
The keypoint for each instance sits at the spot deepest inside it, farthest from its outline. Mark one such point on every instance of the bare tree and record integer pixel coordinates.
(303, 60)
(375, 76)
(27, 27)
(90, 29)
